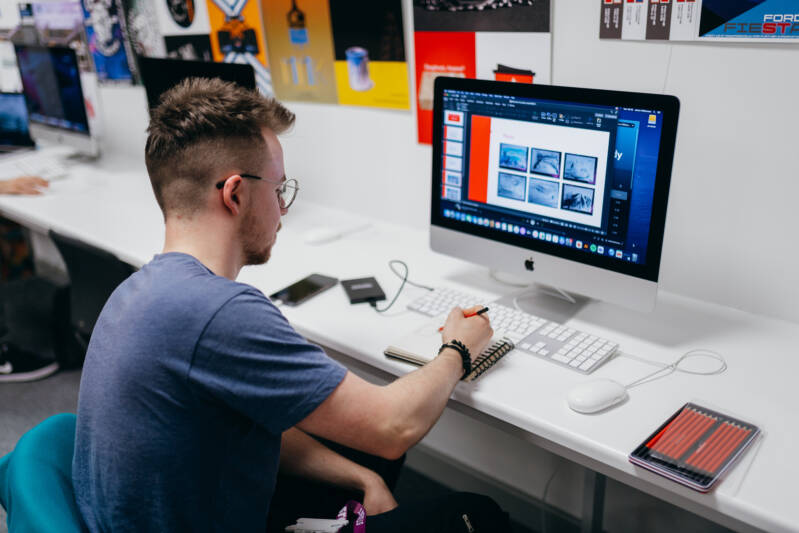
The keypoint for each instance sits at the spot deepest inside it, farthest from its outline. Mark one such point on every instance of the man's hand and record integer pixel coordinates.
(474, 332)
(377, 498)
(23, 185)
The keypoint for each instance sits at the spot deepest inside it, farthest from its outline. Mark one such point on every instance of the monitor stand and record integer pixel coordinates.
(540, 300)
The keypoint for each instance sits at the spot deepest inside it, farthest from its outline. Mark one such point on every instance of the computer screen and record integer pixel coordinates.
(577, 174)
(52, 86)
(159, 75)
(14, 121)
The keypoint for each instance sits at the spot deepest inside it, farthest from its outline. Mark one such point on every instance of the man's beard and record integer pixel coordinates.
(254, 246)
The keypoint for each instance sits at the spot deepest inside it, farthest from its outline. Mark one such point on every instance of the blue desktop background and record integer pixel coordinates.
(643, 184)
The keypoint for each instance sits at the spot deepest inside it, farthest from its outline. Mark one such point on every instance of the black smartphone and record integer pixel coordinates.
(298, 292)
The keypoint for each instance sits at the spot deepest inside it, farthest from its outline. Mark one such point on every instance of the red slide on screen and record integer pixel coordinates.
(478, 158)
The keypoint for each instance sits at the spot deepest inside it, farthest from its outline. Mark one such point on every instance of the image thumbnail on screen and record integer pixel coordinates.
(580, 168)
(545, 162)
(511, 186)
(579, 199)
(513, 157)
(543, 192)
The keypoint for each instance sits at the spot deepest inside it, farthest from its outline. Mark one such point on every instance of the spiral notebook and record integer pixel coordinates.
(421, 347)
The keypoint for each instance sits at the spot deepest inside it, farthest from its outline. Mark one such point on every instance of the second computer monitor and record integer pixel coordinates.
(51, 82)
(159, 75)
(14, 132)
(564, 186)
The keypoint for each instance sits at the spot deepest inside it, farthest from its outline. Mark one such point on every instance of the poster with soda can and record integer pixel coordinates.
(371, 68)
(350, 52)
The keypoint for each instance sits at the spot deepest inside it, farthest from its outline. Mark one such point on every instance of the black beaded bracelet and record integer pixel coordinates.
(461, 348)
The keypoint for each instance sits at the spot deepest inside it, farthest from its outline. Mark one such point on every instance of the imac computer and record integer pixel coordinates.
(559, 186)
(159, 75)
(51, 82)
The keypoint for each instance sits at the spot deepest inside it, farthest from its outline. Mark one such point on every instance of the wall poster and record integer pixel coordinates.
(105, 24)
(350, 52)
(185, 28)
(509, 43)
(700, 20)
(237, 36)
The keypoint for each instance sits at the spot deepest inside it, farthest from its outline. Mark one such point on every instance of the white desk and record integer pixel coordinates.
(111, 206)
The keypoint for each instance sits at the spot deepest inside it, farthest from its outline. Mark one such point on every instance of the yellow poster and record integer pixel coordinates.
(371, 69)
(300, 48)
(237, 36)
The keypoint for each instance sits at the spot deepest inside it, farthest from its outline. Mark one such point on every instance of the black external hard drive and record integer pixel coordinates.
(363, 290)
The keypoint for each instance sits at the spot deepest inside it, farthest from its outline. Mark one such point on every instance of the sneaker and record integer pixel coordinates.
(18, 365)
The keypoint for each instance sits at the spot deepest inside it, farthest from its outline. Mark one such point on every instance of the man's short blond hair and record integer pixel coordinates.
(201, 129)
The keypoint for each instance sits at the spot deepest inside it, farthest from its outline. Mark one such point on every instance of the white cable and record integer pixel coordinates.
(544, 511)
(566, 296)
(666, 370)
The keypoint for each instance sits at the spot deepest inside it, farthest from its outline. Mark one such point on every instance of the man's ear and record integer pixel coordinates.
(230, 193)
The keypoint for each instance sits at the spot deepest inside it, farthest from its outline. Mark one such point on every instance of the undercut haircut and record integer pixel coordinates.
(202, 129)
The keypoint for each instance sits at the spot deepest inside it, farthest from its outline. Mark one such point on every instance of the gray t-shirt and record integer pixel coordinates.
(189, 380)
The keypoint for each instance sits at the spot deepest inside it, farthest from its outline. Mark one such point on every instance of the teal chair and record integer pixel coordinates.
(36, 480)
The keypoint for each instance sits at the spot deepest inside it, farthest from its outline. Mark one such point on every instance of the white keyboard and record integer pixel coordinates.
(549, 340)
(48, 167)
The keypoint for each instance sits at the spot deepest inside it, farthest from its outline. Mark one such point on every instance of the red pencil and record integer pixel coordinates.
(694, 437)
(674, 428)
(654, 440)
(710, 452)
(700, 452)
(725, 453)
(470, 315)
(732, 431)
(684, 435)
(675, 431)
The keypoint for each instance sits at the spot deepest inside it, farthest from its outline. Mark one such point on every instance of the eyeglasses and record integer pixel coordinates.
(286, 194)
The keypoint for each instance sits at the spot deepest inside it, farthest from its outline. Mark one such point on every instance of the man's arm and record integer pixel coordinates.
(387, 420)
(304, 456)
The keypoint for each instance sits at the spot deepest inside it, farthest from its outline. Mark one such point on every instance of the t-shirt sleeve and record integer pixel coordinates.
(250, 358)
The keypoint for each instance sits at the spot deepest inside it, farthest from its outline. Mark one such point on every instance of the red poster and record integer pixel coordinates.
(439, 54)
(508, 43)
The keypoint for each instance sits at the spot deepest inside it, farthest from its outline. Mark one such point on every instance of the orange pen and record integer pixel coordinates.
(480, 312)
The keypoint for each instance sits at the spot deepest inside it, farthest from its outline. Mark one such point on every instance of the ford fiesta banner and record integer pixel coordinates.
(749, 19)
(700, 20)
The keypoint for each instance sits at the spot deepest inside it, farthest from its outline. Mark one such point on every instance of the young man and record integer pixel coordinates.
(196, 388)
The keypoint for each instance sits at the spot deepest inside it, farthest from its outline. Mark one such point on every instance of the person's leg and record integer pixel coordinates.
(388, 469)
(296, 497)
(3, 325)
(16, 363)
(459, 512)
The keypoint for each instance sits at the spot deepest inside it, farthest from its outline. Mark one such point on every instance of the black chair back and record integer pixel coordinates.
(94, 274)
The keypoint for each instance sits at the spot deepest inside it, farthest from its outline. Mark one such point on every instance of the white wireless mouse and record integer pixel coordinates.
(593, 396)
(320, 235)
